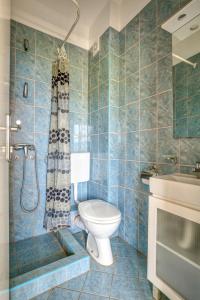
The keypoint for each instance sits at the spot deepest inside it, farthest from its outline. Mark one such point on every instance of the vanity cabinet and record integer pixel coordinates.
(174, 249)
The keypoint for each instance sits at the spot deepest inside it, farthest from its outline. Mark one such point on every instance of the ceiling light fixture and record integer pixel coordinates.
(181, 17)
(194, 27)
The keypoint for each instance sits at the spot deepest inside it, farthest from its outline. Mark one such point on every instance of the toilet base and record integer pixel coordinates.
(100, 250)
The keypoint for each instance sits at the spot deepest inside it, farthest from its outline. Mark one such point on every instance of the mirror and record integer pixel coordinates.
(186, 79)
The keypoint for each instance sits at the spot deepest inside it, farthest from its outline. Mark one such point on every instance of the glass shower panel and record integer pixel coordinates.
(180, 235)
(179, 274)
(178, 254)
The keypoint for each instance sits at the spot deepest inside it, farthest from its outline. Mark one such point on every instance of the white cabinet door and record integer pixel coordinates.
(4, 166)
(174, 249)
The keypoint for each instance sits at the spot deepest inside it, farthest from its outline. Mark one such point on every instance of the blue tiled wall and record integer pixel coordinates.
(138, 125)
(146, 97)
(34, 67)
(147, 105)
(103, 97)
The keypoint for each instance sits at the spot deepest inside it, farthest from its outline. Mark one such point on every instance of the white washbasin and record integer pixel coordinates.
(180, 188)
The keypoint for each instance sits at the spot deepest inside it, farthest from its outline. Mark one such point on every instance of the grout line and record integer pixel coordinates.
(114, 273)
(125, 98)
(85, 280)
(111, 286)
(139, 146)
(157, 131)
(46, 58)
(79, 296)
(138, 161)
(50, 292)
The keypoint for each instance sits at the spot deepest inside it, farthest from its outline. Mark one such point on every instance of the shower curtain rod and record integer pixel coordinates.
(74, 24)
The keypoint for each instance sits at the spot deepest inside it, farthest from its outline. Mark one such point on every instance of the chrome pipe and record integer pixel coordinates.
(184, 60)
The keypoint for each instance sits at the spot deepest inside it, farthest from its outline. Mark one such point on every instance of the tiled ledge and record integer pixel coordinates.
(33, 283)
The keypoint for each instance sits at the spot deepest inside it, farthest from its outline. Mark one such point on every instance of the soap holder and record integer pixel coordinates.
(145, 181)
(145, 175)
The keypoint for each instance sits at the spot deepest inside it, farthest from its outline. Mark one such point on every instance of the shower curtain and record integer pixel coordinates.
(57, 212)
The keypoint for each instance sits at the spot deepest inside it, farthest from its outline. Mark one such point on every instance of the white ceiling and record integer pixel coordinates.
(56, 17)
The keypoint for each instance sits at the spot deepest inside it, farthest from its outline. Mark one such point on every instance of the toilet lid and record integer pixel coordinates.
(99, 211)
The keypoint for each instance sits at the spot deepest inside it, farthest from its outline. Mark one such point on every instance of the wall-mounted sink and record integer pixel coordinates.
(184, 178)
(181, 188)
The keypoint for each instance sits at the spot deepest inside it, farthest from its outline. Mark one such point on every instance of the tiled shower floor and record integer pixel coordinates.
(32, 253)
(124, 280)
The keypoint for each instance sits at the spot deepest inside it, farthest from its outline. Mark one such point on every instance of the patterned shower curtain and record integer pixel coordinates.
(57, 212)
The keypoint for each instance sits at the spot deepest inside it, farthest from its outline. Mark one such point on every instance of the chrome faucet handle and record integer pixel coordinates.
(196, 169)
(154, 169)
(171, 158)
(198, 165)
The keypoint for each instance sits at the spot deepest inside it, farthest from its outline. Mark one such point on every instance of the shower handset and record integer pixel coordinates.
(27, 148)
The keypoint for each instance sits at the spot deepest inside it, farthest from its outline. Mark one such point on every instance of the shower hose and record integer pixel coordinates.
(25, 158)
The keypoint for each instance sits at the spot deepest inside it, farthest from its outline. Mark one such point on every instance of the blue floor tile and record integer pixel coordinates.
(126, 266)
(97, 267)
(75, 284)
(135, 295)
(123, 250)
(142, 267)
(123, 287)
(43, 296)
(98, 283)
(144, 287)
(116, 240)
(84, 296)
(128, 288)
(63, 294)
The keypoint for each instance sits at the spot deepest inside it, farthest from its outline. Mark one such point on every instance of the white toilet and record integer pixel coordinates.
(101, 219)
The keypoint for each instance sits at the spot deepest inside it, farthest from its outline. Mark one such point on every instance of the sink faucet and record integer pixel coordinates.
(196, 170)
(171, 158)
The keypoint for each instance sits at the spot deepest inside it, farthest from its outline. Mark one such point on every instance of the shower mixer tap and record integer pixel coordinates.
(26, 148)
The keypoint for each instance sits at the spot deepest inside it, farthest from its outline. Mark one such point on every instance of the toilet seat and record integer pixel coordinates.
(99, 211)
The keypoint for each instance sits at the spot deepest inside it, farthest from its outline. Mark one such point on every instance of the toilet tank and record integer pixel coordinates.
(80, 167)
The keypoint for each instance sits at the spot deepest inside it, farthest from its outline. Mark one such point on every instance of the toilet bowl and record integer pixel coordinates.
(101, 219)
